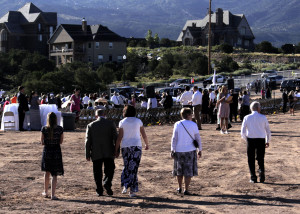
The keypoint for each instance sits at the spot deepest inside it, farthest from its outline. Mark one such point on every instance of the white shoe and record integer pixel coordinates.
(221, 131)
(226, 132)
(124, 190)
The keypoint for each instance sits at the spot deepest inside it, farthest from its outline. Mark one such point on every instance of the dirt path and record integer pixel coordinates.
(221, 187)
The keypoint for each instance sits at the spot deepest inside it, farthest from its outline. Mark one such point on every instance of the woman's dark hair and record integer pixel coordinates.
(51, 123)
(129, 111)
(76, 89)
(185, 112)
(31, 95)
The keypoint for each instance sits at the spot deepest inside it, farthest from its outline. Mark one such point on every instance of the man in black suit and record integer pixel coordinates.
(23, 106)
(101, 136)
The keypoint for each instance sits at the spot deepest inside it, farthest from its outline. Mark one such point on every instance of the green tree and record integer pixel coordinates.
(163, 70)
(288, 48)
(105, 75)
(156, 40)
(227, 64)
(165, 42)
(226, 48)
(266, 47)
(150, 39)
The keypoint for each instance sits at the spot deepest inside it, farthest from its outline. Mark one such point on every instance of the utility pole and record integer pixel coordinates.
(209, 37)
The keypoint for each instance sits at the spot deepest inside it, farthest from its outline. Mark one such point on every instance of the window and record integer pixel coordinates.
(120, 58)
(39, 27)
(239, 42)
(97, 44)
(243, 30)
(110, 58)
(100, 58)
(90, 45)
(246, 43)
(51, 30)
(3, 35)
(40, 37)
(90, 58)
(71, 59)
(110, 45)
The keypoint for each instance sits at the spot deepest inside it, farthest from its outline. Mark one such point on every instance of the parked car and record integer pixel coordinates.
(290, 84)
(268, 73)
(276, 78)
(127, 91)
(172, 90)
(219, 79)
(179, 82)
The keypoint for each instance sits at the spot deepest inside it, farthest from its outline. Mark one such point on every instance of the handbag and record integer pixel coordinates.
(195, 142)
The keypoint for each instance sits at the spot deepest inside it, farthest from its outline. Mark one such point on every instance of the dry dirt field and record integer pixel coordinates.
(221, 187)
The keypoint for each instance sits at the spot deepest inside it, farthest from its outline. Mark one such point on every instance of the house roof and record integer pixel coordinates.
(195, 31)
(29, 13)
(228, 19)
(94, 32)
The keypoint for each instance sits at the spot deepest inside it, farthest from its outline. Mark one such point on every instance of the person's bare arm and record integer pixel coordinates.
(42, 139)
(118, 142)
(144, 137)
(61, 138)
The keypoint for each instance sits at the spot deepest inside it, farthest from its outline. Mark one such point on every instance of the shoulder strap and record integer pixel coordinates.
(187, 130)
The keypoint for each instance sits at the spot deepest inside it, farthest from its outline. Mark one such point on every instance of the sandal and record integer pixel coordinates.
(45, 195)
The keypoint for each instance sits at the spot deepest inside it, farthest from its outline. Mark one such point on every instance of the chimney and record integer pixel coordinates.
(219, 17)
(193, 24)
(84, 25)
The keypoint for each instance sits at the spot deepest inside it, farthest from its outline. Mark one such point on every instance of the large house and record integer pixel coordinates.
(87, 43)
(225, 28)
(29, 28)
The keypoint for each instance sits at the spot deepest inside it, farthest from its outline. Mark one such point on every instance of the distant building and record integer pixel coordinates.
(87, 43)
(29, 28)
(225, 28)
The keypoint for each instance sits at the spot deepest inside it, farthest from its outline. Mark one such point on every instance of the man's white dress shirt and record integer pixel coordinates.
(186, 97)
(115, 100)
(256, 125)
(197, 98)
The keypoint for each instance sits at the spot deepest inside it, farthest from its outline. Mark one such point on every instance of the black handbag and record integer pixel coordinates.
(195, 142)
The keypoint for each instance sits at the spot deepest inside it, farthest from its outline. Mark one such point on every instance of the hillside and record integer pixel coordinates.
(276, 22)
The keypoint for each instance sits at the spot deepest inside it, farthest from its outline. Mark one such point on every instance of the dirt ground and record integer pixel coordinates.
(221, 187)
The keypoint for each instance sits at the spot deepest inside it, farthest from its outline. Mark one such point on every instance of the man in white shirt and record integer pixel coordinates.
(121, 99)
(197, 105)
(186, 97)
(85, 101)
(255, 130)
(115, 100)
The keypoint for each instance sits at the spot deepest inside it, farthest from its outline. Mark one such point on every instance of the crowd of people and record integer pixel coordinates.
(104, 143)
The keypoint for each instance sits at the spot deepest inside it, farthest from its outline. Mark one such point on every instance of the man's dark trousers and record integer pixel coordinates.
(21, 119)
(109, 168)
(256, 147)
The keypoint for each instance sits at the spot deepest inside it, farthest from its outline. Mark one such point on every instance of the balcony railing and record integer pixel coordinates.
(78, 50)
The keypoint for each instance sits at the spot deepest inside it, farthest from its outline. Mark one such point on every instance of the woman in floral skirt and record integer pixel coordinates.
(129, 138)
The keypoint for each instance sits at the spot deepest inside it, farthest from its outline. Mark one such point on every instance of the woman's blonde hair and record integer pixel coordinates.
(51, 124)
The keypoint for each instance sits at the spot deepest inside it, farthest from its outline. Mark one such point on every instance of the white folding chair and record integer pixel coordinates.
(10, 121)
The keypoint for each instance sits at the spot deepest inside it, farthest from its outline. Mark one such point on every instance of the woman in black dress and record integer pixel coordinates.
(205, 108)
(51, 138)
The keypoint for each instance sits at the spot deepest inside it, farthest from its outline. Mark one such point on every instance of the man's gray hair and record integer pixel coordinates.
(100, 112)
(255, 106)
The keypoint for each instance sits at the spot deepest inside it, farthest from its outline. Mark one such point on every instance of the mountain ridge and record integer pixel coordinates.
(276, 22)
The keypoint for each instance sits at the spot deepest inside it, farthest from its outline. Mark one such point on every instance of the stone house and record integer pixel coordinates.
(87, 43)
(225, 28)
(29, 28)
